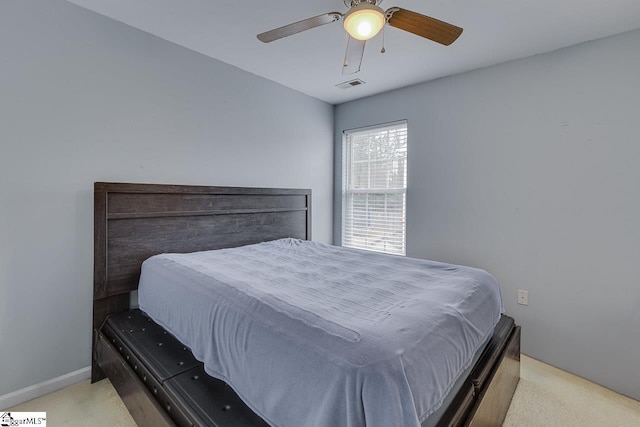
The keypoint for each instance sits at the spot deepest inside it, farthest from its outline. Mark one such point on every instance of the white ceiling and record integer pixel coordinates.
(495, 31)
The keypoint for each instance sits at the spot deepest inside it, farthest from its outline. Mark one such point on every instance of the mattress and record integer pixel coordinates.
(315, 335)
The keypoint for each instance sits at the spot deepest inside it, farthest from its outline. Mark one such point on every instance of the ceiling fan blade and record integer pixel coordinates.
(299, 26)
(353, 56)
(424, 26)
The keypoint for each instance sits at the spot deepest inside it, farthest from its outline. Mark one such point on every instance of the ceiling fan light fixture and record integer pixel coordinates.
(364, 21)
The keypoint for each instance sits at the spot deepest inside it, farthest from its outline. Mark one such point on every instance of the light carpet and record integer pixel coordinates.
(549, 397)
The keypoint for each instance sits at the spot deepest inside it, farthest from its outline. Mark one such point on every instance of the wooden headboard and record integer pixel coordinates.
(135, 221)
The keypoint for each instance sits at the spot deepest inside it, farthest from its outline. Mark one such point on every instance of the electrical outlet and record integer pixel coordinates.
(523, 297)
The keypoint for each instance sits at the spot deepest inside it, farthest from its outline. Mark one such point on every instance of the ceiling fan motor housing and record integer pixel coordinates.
(364, 20)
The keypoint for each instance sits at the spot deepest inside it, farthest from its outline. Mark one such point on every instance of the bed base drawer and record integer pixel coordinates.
(458, 412)
(179, 414)
(173, 378)
(484, 399)
(493, 401)
(156, 348)
(142, 406)
(214, 401)
(492, 352)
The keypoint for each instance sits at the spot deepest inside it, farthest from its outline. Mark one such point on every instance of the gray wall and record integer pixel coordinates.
(83, 99)
(530, 170)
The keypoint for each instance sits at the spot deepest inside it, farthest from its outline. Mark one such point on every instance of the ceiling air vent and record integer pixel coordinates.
(350, 83)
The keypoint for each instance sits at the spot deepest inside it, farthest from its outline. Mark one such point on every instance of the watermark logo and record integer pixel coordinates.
(10, 419)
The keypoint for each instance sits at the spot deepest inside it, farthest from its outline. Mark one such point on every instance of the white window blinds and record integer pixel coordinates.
(374, 186)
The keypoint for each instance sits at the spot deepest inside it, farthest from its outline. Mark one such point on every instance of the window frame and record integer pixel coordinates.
(347, 218)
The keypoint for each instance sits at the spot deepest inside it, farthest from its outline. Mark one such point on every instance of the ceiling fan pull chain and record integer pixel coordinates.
(387, 15)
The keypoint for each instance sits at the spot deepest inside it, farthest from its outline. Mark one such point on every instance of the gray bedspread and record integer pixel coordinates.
(315, 335)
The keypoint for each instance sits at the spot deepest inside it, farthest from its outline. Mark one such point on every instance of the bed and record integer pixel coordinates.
(157, 376)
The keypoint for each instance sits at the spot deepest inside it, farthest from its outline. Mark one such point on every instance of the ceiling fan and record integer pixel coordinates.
(363, 21)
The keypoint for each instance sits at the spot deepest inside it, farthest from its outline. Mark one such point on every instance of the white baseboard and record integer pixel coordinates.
(32, 392)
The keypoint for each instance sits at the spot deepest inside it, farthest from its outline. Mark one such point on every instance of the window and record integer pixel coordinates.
(374, 188)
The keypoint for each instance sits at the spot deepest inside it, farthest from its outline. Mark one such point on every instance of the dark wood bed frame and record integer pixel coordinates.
(135, 221)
